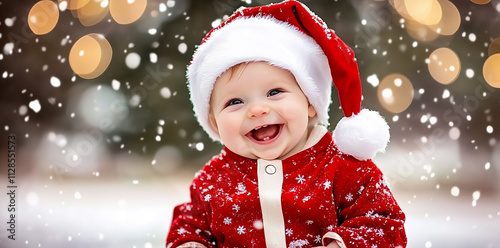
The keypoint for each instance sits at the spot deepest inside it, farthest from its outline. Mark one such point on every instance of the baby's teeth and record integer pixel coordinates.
(266, 139)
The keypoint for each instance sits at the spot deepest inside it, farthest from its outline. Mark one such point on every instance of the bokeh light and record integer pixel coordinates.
(90, 56)
(480, 1)
(399, 6)
(444, 65)
(395, 93)
(491, 72)
(427, 12)
(494, 47)
(127, 11)
(450, 20)
(74, 4)
(43, 17)
(92, 13)
(420, 32)
(103, 107)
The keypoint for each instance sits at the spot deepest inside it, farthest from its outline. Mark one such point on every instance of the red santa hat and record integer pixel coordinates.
(288, 35)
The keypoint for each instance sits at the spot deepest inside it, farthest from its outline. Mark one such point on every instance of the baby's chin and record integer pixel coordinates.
(269, 155)
(258, 155)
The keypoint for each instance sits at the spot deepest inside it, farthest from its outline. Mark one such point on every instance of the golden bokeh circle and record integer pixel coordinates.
(395, 93)
(126, 11)
(427, 12)
(43, 17)
(444, 65)
(420, 31)
(92, 13)
(90, 56)
(480, 1)
(494, 47)
(400, 7)
(75, 4)
(450, 20)
(491, 72)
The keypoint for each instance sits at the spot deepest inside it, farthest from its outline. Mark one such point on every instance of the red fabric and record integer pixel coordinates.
(323, 191)
(343, 65)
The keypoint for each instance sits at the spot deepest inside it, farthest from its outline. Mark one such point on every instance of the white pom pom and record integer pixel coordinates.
(362, 135)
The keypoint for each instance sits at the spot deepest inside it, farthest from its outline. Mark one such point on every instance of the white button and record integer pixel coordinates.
(270, 169)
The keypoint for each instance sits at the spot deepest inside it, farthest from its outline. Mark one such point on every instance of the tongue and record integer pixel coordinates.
(265, 133)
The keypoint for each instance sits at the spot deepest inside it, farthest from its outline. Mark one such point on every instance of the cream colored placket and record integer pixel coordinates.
(270, 180)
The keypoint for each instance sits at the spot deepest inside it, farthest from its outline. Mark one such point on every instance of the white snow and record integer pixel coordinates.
(133, 60)
(373, 80)
(182, 48)
(35, 105)
(55, 82)
(115, 84)
(455, 191)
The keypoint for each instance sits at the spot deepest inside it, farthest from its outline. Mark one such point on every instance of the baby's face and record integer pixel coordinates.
(260, 111)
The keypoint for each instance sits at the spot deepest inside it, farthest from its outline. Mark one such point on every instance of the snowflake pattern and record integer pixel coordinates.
(208, 197)
(300, 179)
(317, 240)
(241, 230)
(380, 232)
(307, 198)
(298, 243)
(349, 197)
(227, 220)
(236, 208)
(241, 189)
(327, 184)
(181, 231)
(289, 232)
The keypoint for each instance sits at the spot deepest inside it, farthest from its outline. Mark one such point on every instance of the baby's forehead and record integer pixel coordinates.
(232, 72)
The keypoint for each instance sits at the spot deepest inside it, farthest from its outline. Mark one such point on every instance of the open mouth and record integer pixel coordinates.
(265, 133)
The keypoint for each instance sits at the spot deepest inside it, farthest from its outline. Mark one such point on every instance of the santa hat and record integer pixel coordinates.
(288, 35)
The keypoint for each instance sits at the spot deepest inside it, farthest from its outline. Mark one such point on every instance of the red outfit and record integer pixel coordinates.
(323, 191)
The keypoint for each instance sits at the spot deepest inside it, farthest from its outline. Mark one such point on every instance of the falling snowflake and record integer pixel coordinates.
(349, 197)
(289, 232)
(241, 230)
(380, 232)
(236, 208)
(227, 220)
(327, 184)
(300, 179)
(307, 198)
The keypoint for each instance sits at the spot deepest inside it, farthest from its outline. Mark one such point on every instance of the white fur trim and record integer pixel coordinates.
(259, 39)
(362, 135)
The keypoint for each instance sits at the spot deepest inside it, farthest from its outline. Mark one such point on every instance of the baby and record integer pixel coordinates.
(261, 84)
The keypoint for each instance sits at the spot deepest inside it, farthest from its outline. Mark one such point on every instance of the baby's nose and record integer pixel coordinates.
(257, 110)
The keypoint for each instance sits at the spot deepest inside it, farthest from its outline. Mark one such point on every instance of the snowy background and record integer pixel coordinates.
(104, 154)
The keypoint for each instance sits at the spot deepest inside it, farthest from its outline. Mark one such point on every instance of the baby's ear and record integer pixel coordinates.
(311, 111)
(213, 122)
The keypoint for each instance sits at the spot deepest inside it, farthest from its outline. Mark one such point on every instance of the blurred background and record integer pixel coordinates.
(94, 92)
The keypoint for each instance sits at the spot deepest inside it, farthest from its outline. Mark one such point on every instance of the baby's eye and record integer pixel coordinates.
(274, 92)
(233, 102)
